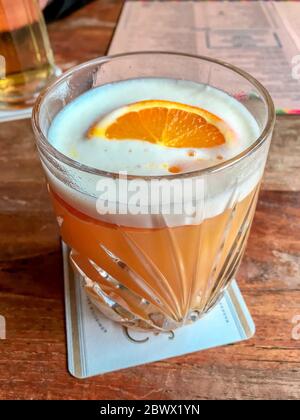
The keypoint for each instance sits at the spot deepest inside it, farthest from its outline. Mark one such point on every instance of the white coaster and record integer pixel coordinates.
(97, 345)
(18, 114)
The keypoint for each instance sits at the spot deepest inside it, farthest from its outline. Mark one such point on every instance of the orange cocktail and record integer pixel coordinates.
(157, 251)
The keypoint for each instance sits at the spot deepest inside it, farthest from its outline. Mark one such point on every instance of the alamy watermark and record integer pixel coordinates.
(296, 328)
(2, 328)
(139, 196)
(296, 67)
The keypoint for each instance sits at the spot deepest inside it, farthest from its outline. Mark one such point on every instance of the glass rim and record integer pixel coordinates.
(45, 145)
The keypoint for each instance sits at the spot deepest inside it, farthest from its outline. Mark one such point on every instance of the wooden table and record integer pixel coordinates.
(33, 358)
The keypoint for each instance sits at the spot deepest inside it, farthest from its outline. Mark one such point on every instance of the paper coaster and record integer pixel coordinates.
(18, 114)
(97, 345)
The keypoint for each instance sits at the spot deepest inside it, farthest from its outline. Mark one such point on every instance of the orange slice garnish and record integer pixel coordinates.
(170, 124)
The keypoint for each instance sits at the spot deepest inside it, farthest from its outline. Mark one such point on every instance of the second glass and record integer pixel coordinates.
(26, 59)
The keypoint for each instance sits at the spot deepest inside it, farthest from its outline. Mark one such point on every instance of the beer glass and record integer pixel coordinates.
(153, 270)
(26, 59)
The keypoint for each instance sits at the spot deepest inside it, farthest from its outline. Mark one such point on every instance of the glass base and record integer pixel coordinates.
(21, 90)
(134, 312)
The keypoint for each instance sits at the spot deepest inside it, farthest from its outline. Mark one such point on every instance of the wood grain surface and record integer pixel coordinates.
(33, 357)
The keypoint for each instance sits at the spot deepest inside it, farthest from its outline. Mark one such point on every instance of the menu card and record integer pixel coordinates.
(261, 37)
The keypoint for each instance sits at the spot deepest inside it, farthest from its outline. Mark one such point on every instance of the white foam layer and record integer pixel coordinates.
(219, 191)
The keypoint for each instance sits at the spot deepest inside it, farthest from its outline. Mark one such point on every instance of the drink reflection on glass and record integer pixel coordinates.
(154, 261)
(26, 57)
